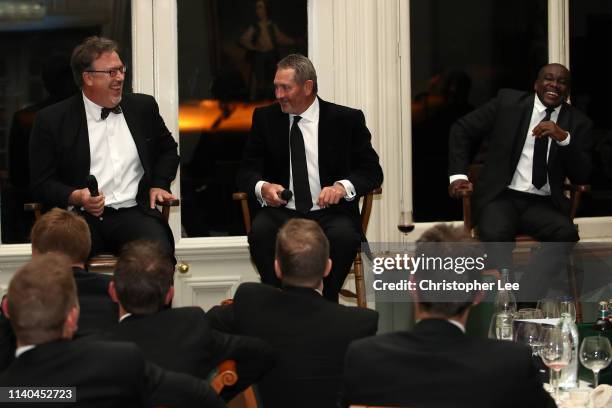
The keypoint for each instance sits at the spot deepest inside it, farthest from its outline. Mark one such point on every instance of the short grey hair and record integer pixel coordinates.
(304, 70)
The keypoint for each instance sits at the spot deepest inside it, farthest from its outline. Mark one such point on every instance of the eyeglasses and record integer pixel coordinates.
(111, 72)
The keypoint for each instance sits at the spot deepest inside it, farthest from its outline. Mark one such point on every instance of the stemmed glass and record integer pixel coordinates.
(529, 333)
(595, 353)
(555, 352)
(405, 223)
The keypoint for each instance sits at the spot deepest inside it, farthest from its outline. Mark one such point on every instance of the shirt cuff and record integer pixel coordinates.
(566, 141)
(457, 177)
(258, 186)
(350, 189)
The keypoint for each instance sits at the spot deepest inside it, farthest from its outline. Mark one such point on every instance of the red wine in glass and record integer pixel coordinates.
(405, 224)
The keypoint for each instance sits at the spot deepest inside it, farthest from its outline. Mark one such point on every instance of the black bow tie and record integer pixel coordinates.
(106, 111)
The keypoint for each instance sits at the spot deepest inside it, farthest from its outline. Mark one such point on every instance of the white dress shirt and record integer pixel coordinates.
(114, 158)
(20, 350)
(521, 180)
(309, 126)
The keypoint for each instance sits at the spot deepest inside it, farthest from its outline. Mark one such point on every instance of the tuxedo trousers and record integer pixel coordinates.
(116, 227)
(339, 227)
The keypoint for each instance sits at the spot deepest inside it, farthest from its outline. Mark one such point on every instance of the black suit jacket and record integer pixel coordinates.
(436, 365)
(309, 334)
(106, 374)
(345, 151)
(504, 121)
(182, 340)
(59, 149)
(98, 311)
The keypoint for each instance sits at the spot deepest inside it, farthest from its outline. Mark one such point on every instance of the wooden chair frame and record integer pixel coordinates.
(357, 269)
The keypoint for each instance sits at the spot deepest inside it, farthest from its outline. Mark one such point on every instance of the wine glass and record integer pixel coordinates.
(549, 308)
(555, 352)
(405, 223)
(529, 333)
(595, 353)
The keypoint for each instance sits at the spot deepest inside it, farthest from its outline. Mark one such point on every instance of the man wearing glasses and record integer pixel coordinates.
(120, 139)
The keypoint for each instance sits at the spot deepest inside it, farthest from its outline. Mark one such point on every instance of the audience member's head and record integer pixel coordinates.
(302, 254)
(143, 279)
(438, 245)
(42, 301)
(63, 232)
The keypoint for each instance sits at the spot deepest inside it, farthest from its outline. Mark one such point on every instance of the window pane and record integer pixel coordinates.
(36, 43)
(227, 52)
(462, 53)
(589, 38)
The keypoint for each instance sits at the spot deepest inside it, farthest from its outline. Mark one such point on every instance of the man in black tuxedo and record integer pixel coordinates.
(178, 339)
(64, 232)
(309, 334)
(44, 312)
(436, 364)
(67, 233)
(120, 139)
(322, 153)
(535, 141)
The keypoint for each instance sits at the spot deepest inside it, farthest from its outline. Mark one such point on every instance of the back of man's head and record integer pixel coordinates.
(40, 297)
(143, 277)
(447, 251)
(63, 232)
(302, 252)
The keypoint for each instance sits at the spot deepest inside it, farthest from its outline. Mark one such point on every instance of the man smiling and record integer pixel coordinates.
(322, 153)
(535, 141)
(120, 139)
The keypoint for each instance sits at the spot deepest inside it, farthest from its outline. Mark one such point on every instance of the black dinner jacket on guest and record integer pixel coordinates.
(345, 150)
(504, 122)
(98, 311)
(309, 334)
(182, 340)
(106, 374)
(436, 365)
(60, 157)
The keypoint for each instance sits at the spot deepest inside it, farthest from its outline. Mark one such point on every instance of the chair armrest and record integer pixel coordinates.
(244, 207)
(239, 196)
(582, 188)
(226, 375)
(175, 202)
(166, 204)
(32, 206)
(576, 191)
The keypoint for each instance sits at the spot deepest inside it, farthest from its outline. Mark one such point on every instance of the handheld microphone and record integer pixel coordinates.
(92, 185)
(286, 194)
